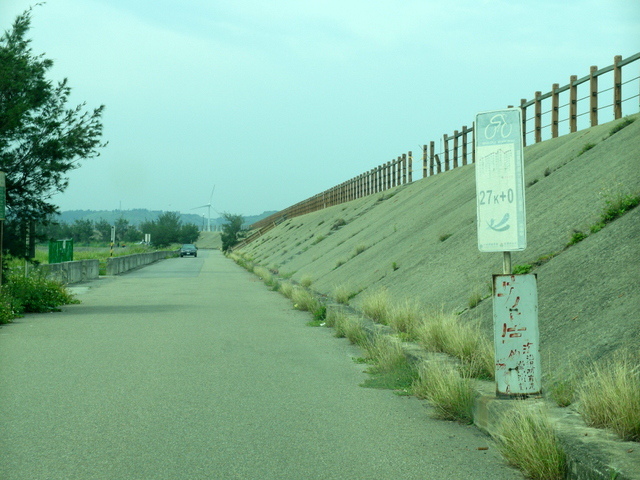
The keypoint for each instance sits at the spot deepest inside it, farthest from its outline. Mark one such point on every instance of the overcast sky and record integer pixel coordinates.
(274, 101)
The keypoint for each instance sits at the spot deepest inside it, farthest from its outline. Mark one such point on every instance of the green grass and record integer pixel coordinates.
(620, 125)
(521, 269)
(400, 378)
(577, 237)
(442, 237)
(527, 440)
(586, 148)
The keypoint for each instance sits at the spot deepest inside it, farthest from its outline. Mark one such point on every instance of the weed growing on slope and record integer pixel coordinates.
(342, 294)
(306, 280)
(451, 394)
(405, 316)
(521, 269)
(527, 440)
(586, 148)
(376, 306)
(620, 125)
(446, 333)
(385, 352)
(609, 396)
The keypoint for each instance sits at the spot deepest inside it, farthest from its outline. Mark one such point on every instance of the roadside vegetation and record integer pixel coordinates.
(30, 293)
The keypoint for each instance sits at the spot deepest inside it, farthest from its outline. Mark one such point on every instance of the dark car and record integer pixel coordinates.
(188, 250)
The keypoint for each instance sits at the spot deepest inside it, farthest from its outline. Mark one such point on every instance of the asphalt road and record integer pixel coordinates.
(192, 369)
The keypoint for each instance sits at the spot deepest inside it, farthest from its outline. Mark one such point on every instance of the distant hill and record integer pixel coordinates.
(139, 215)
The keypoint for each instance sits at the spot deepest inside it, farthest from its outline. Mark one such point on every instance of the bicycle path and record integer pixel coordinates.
(193, 369)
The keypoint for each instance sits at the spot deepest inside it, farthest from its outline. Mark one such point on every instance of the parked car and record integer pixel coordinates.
(188, 250)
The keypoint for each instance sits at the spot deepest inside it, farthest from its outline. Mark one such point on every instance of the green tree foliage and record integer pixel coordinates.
(168, 229)
(41, 139)
(82, 231)
(230, 230)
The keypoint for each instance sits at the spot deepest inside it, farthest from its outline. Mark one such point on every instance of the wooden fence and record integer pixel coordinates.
(458, 149)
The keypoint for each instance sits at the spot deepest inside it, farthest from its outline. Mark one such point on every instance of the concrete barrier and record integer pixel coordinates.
(118, 265)
(72, 272)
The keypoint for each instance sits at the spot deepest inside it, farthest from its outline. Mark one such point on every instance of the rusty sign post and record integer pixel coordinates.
(515, 323)
(501, 224)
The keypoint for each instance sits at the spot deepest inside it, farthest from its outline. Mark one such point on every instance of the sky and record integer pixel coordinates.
(274, 101)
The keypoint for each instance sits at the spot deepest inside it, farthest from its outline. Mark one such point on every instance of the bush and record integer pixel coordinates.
(36, 294)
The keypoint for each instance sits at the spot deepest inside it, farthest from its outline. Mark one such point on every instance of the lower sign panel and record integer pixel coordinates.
(516, 334)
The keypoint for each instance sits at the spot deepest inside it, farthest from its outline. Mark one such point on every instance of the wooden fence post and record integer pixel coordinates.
(555, 101)
(523, 101)
(431, 157)
(404, 169)
(617, 87)
(424, 161)
(538, 117)
(463, 160)
(455, 149)
(473, 143)
(573, 104)
(593, 97)
(446, 152)
(410, 167)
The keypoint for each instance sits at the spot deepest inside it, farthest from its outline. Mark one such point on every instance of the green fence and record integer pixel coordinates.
(60, 251)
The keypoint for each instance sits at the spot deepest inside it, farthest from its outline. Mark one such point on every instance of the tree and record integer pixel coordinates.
(40, 138)
(165, 230)
(230, 230)
(189, 233)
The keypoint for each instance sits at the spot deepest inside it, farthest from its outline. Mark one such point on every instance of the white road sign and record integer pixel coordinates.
(500, 181)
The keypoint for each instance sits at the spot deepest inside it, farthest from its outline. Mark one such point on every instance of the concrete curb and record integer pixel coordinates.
(592, 454)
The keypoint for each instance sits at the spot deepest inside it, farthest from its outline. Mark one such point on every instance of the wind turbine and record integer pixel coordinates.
(208, 206)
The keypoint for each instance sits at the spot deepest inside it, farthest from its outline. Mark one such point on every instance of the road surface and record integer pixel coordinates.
(192, 369)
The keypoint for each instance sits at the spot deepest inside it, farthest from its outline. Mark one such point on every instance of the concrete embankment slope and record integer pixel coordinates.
(418, 241)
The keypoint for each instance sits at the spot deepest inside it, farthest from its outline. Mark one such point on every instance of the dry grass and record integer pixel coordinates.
(376, 306)
(349, 326)
(442, 332)
(528, 441)
(609, 396)
(450, 393)
(385, 352)
(406, 317)
(306, 280)
(343, 294)
(303, 300)
(286, 288)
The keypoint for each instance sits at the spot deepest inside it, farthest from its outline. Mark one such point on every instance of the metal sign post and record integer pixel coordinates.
(502, 228)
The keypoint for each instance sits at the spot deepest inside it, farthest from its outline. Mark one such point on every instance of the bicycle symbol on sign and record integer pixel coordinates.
(497, 124)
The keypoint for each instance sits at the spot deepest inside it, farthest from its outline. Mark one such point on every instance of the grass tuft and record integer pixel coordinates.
(527, 440)
(306, 281)
(343, 294)
(406, 316)
(620, 125)
(609, 396)
(586, 148)
(451, 394)
(385, 352)
(376, 306)
(446, 333)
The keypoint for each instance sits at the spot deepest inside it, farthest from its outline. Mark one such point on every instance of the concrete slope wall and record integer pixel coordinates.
(419, 242)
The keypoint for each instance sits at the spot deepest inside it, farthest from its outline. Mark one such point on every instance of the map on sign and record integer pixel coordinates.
(500, 181)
